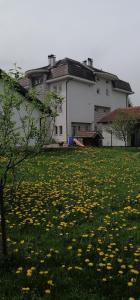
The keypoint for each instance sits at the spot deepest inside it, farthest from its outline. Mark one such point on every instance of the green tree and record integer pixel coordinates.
(26, 125)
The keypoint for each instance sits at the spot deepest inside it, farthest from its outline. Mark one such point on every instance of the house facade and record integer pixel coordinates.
(89, 93)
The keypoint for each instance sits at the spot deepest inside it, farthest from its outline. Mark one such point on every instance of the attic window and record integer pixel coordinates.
(37, 80)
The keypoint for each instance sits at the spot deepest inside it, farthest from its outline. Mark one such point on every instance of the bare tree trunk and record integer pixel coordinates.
(3, 223)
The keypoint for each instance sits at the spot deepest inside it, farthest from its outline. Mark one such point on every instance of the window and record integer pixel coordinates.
(60, 130)
(98, 91)
(76, 127)
(37, 80)
(56, 130)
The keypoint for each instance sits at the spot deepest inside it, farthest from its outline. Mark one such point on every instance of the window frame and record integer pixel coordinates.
(60, 129)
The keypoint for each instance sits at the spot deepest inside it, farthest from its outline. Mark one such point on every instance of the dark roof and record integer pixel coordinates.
(25, 82)
(72, 67)
(129, 112)
(68, 66)
(77, 69)
(122, 85)
(64, 67)
(20, 89)
(88, 134)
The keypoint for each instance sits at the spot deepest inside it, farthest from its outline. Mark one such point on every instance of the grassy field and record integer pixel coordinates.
(74, 228)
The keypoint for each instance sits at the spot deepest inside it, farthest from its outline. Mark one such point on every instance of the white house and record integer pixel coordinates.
(89, 93)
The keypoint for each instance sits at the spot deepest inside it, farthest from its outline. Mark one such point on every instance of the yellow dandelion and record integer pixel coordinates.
(47, 291)
(123, 267)
(25, 289)
(29, 273)
(134, 271)
(120, 272)
(90, 264)
(104, 279)
(22, 242)
(87, 260)
(130, 283)
(69, 248)
(50, 282)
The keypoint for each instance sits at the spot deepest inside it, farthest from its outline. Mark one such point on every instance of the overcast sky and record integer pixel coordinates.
(106, 30)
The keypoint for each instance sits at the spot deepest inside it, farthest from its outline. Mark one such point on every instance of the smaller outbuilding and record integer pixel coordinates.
(129, 113)
(90, 138)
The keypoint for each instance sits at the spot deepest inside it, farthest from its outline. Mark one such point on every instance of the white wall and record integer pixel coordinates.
(83, 96)
(79, 103)
(107, 138)
(81, 99)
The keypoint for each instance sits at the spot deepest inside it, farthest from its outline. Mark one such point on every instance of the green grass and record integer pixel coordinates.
(73, 228)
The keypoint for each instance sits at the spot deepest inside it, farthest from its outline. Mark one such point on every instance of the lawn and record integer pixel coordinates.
(74, 227)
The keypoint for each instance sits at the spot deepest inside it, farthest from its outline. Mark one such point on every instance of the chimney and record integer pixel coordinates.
(90, 62)
(85, 62)
(51, 60)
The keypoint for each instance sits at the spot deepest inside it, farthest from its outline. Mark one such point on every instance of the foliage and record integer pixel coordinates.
(25, 126)
(75, 236)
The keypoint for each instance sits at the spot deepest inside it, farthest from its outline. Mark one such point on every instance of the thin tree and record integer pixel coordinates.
(123, 126)
(25, 126)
